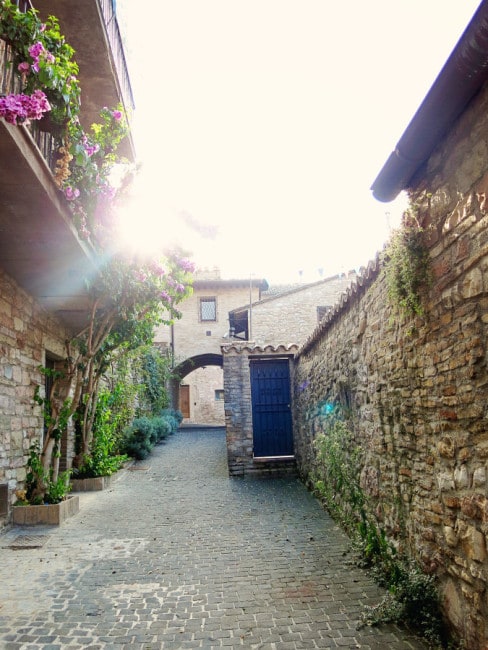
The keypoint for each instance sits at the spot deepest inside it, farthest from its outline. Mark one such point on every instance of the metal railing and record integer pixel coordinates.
(23, 5)
(115, 40)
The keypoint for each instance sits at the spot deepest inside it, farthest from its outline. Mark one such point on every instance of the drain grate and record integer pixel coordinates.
(28, 541)
(140, 468)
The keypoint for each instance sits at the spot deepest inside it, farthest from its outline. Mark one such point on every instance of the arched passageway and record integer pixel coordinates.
(197, 389)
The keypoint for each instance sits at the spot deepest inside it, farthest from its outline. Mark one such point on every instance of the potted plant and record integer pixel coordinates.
(46, 499)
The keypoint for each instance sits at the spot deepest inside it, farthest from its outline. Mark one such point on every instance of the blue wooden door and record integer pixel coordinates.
(271, 408)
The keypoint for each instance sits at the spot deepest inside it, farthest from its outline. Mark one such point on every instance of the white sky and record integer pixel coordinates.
(261, 124)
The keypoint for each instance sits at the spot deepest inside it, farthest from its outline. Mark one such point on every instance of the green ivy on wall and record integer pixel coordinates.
(407, 266)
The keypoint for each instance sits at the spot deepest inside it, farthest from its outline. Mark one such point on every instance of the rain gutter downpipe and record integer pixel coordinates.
(462, 76)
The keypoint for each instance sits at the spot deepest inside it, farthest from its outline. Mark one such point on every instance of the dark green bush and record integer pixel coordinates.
(162, 428)
(139, 438)
(174, 417)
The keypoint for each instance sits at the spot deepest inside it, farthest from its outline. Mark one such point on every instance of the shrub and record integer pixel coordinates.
(174, 417)
(336, 479)
(162, 427)
(139, 438)
(407, 266)
(103, 459)
(412, 596)
(155, 371)
(413, 599)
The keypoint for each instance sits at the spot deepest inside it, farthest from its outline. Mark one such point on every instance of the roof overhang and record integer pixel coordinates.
(463, 75)
(217, 283)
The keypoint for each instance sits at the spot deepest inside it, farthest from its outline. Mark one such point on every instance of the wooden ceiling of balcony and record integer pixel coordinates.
(39, 246)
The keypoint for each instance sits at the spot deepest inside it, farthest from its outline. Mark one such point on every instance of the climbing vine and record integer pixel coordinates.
(407, 265)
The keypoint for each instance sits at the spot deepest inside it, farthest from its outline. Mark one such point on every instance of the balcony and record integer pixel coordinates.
(39, 245)
(91, 28)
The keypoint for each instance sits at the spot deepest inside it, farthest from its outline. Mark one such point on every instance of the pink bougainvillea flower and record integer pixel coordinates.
(140, 276)
(36, 50)
(11, 109)
(158, 269)
(19, 109)
(71, 193)
(38, 105)
(23, 67)
(41, 97)
(90, 148)
(185, 264)
(117, 115)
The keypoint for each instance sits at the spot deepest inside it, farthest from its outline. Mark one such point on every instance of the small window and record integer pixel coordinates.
(219, 395)
(208, 309)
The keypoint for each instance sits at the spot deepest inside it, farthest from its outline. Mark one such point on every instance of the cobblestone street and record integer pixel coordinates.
(175, 554)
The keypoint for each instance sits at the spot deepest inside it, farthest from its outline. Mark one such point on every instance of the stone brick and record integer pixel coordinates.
(474, 506)
(479, 477)
(21, 352)
(474, 543)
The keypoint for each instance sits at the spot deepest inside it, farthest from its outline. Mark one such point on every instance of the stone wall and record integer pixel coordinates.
(27, 333)
(418, 388)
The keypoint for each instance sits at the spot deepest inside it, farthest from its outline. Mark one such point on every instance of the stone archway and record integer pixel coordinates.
(202, 403)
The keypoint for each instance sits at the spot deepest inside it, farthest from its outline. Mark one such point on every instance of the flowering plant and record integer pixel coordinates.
(85, 173)
(22, 108)
(43, 63)
(127, 297)
(46, 73)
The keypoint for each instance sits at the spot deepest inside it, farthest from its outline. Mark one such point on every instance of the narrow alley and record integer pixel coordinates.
(175, 554)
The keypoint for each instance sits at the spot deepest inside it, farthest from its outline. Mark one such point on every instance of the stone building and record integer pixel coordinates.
(194, 343)
(417, 386)
(224, 310)
(43, 262)
(288, 314)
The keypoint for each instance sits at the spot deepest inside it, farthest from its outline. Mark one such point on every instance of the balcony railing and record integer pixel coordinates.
(115, 40)
(23, 5)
